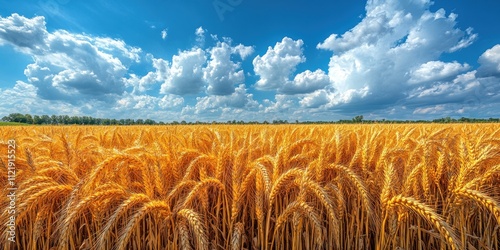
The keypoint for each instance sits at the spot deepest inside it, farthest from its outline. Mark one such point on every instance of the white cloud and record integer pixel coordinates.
(118, 48)
(466, 41)
(438, 109)
(435, 71)
(190, 72)
(159, 75)
(283, 104)
(315, 99)
(185, 73)
(490, 62)
(23, 98)
(385, 20)
(27, 35)
(240, 99)
(473, 90)
(240, 105)
(329, 43)
(222, 74)
(131, 101)
(142, 102)
(243, 51)
(170, 101)
(200, 36)
(396, 45)
(71, 67)
(199, 31)
(466, 89)
(164, 34)
(276, 66)
(306, 82)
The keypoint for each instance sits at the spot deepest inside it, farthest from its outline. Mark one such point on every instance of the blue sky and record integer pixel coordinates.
(251, 60)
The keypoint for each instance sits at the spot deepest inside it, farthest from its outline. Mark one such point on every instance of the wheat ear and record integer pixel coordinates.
(160, 207)
(196, 224)
(430, 215)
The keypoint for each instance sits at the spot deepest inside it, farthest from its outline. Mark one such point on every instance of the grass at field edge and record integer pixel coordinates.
(12, 124)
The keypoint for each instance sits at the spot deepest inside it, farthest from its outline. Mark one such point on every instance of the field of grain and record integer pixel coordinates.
(254, 187)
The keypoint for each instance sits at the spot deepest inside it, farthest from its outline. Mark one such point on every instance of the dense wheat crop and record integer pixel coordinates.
(255, 187)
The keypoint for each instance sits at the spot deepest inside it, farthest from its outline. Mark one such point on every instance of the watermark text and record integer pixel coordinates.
(11, 190)
(223, 6)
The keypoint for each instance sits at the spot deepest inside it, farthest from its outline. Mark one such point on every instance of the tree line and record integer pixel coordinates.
(68, 120)
(88, 120)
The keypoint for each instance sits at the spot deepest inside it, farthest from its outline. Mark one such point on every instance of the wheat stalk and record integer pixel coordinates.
(160, 207)
(195, 222)
(484, 200)
(428, 214)
(237, 237)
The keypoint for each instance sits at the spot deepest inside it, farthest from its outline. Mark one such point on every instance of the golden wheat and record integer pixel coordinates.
(419, 186)
(428, 214)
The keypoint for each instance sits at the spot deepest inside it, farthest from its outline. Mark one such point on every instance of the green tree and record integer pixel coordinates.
(358, 119)
(37, 120)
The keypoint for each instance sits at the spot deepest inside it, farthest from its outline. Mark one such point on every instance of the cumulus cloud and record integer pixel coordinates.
(276, 66)
(185, 73)
(160, 74)
(306, 82)
(448, 91)
(131, 101)
(240, 99)
(490, 62)
(282, 104)
(243, 51)
(467, 92)
(170, 101)
(196, 69)
(23, 98)
(70, 67)
(315, 99)
(435, 71)
(27, 35)
(83, 71)
(221, 73)
(214, 71)
(396, 45)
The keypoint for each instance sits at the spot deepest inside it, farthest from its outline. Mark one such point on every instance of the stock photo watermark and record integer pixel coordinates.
(223, 6)
(11, 190)
(52, 6)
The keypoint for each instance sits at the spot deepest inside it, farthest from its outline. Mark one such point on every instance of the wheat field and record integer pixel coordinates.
(255, 187)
